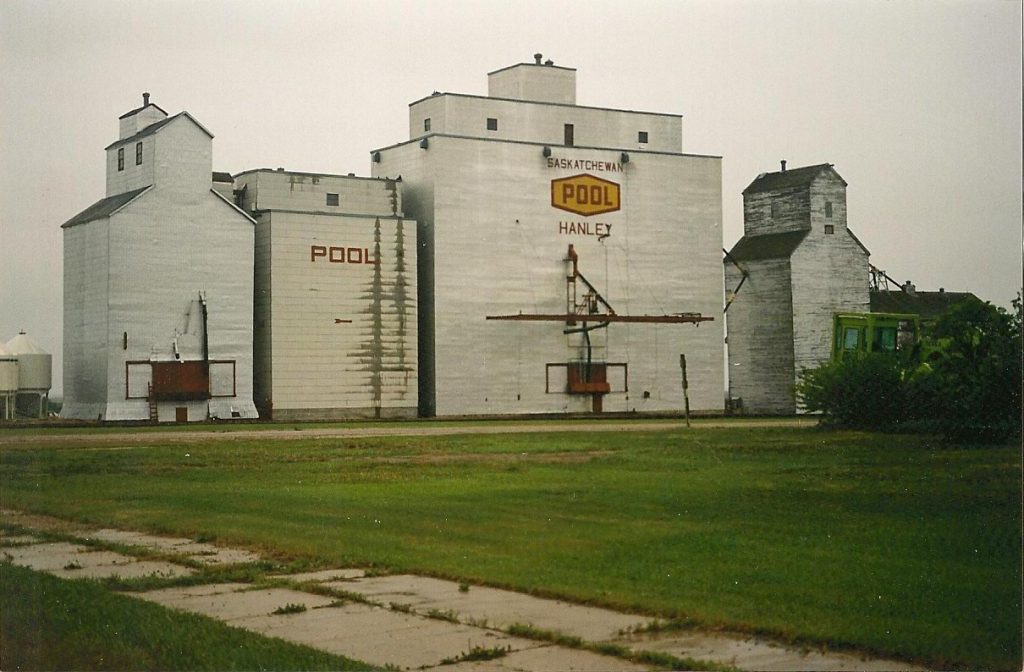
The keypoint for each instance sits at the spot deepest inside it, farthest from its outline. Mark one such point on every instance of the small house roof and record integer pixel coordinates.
(140, 109)
(785, 179)
(222, 177)
(103, 208)
(928, 305)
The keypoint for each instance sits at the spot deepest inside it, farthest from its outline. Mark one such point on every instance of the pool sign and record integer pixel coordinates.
(585, 195)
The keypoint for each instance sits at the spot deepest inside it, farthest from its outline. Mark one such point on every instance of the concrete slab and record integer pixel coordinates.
(499, 608)
(381, 637)
(204, 553)
(173, 596)
(237, 604)
(47, 557)
(73, 561)
(756, 654)
(547, 659)
(324, 575)
(132, 570)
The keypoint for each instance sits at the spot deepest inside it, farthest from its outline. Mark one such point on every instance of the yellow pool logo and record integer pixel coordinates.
(584, 195)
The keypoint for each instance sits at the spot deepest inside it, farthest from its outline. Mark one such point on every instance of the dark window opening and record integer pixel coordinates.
(570, 140)
(332, 199)
(642, 137)
(830, 229)
(492, 124)
(426, 124)
(138, 153)
(775, 209)
(828, 208)
(120, 158)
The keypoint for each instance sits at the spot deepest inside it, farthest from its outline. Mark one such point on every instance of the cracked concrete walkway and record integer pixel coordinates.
(407, 621)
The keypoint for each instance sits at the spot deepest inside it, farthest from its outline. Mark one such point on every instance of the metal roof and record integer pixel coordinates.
(103, 208)
(768, 246)
(795, 177)
(140, 109)
(928, 305)
(154, 127)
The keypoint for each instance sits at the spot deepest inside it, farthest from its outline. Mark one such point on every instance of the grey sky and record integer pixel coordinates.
(918, 105)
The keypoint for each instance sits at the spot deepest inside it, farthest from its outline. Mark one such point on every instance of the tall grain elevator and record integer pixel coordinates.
(568, 255)
(335, 296)
(158, 279)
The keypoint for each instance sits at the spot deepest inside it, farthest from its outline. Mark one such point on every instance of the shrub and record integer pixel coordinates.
(968, 387)
(861, 391)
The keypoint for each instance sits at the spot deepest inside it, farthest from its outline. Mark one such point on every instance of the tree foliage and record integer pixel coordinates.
(967, 383)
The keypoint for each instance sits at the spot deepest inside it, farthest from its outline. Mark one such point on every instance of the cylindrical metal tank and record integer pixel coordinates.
(8, 372)
(8, 383)
(34, 364)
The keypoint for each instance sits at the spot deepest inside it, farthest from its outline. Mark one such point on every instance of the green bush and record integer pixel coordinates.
(968, 386)
(861, 391)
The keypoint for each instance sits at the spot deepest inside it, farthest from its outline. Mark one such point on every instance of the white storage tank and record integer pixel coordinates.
(34, 375)
(8, 383)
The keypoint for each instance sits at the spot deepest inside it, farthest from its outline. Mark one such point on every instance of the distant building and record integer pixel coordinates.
(530, 208)
(908, 299)
(158, 283)
(798, 263)
(335, 288)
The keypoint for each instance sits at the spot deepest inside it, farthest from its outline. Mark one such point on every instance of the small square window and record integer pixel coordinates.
(138, 153)
(830, 229)
(332, 199)
(426, 124)
(492, 124)
(120, 158)
(641, 137)
(828, 208)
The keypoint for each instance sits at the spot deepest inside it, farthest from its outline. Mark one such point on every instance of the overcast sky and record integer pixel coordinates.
(917, 104)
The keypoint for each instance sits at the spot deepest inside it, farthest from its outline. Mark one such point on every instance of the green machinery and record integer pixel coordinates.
(897, 333)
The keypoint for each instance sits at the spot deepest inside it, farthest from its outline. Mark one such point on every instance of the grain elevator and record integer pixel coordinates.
(568, 255)
(158, 283)
(335, 296)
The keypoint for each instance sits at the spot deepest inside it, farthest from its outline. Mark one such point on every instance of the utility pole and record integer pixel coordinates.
(686, 388)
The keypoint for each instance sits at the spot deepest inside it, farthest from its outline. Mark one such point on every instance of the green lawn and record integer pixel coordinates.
(896, 545)
(48, 623)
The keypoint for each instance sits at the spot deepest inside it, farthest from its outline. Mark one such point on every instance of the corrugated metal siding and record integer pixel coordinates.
(85, 320)
(496, 249)
(365, 362)
(536, 122)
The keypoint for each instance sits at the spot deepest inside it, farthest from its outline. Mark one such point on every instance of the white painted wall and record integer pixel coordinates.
(458, 114)
(492, 238)
(530, 81)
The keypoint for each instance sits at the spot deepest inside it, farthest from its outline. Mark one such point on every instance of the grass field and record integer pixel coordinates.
(896, 545)
(121, 633)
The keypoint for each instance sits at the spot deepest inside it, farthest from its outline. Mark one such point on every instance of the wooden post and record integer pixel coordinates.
(686, 388)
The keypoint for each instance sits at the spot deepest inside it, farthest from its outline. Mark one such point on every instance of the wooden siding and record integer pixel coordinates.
(760, 343)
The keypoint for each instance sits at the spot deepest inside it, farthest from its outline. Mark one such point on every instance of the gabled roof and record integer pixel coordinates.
(928, 305)
(767, 246)
(140, 109)
(153, 128)
(103, 208)
(785, 179)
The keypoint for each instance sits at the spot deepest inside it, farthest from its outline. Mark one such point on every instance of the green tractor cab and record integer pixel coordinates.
(896, 333)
